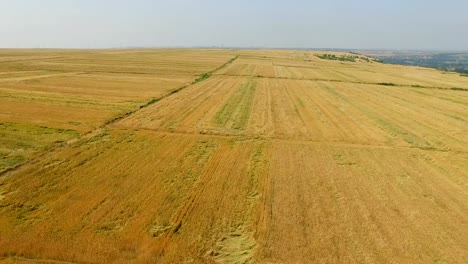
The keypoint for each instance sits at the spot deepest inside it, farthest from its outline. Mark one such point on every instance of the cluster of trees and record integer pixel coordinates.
(339, 58)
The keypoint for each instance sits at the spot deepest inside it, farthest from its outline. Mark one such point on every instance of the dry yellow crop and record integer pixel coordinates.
(230, 156)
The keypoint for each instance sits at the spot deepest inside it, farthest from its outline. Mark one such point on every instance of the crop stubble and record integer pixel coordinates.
(278, 157)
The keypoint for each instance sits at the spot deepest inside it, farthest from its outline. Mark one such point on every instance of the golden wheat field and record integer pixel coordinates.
(230, 156)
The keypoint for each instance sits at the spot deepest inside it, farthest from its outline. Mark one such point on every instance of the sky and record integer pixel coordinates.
(363, 24)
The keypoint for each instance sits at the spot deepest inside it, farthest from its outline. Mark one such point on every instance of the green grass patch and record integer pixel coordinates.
(258, 163)
(19, 142)
(11, 162)
(202, 151)
(236, 112)
(28, 136)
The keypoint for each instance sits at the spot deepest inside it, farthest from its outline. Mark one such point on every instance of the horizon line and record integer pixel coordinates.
(239, 48)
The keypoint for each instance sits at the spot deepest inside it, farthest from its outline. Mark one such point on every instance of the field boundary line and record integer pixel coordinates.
(347, 81)
(98, 130)
(157, 99)
(292, 140)
(43, 76)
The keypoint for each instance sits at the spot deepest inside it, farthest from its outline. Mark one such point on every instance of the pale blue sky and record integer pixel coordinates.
(389, 24)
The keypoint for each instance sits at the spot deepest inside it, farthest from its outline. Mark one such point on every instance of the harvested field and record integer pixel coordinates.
(80, 91)
(261, 157)
(314, 110)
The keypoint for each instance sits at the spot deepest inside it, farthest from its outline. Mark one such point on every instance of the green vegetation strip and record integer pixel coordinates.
(10, 162)
(387, 84)
(339, 58)
(208, 74)
(236, 112)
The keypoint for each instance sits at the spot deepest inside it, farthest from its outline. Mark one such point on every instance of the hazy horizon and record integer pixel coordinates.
(367, 25)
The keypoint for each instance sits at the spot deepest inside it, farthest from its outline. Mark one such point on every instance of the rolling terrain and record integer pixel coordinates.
(230, 156)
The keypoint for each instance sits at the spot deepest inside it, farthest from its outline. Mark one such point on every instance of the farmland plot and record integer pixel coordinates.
(274, 157)
(317, 111)
(352, 204)
(186, 178)
(70, 93)
(310, 67)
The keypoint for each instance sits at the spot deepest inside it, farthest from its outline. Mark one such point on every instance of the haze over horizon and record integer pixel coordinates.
(401, 25)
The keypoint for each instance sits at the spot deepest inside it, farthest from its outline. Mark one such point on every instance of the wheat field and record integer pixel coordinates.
(230, 156)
